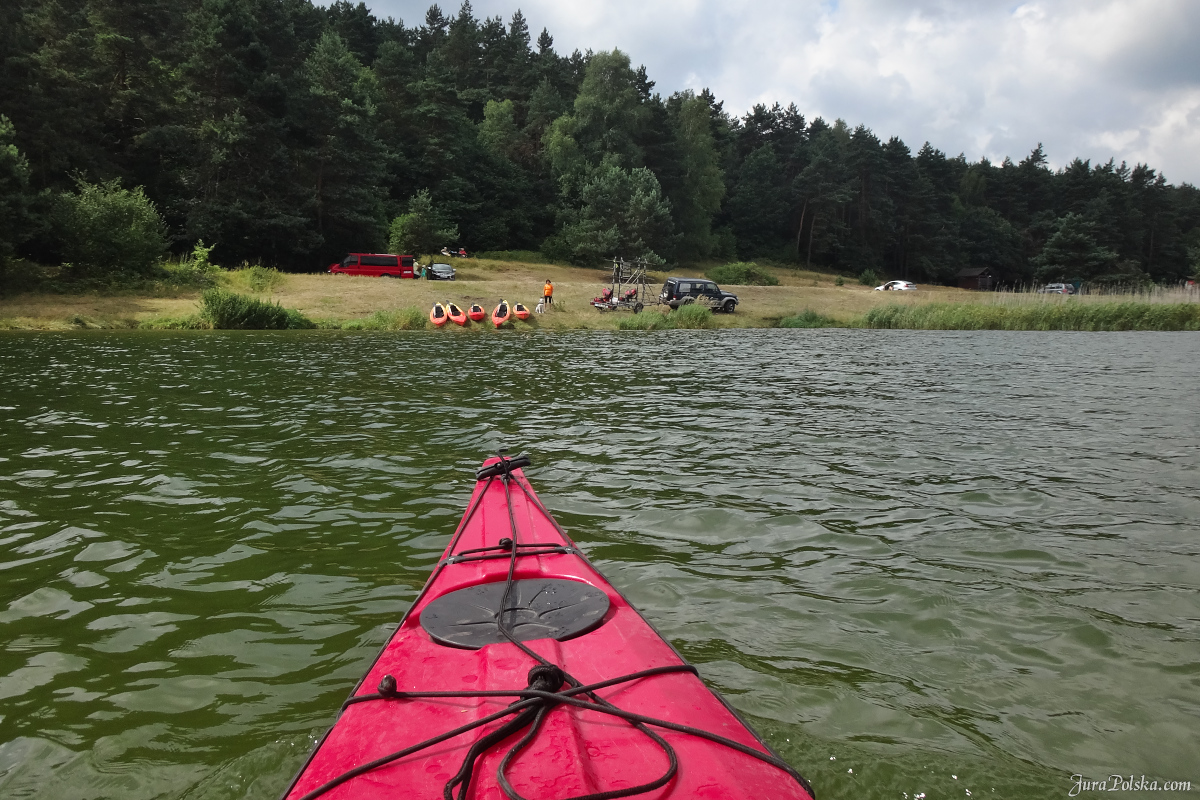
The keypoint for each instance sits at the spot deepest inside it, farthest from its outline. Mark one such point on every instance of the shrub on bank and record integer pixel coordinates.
(166, 278)
(257, 278)
(229, 311)
(192, 271)
(809, 319)
(742, 273)
(181, 276)
(104, 229)
(1129, 316)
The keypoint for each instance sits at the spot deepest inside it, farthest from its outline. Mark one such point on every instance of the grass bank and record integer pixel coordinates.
(800, 299)
(373, 303)
(1061, 316)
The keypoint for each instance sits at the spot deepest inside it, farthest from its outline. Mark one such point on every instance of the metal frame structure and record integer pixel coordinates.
(628, 287)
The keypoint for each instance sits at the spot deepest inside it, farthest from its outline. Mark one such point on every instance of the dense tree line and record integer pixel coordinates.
(284, 132)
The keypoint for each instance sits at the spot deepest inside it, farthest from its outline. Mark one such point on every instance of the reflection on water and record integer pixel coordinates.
(907, 556)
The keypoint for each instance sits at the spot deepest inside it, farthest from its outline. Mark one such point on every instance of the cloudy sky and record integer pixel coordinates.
(1097, 79)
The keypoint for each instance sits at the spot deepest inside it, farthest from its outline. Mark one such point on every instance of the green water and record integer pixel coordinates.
(905, 556)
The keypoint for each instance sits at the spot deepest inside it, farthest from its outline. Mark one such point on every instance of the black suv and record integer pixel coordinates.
(678, 292)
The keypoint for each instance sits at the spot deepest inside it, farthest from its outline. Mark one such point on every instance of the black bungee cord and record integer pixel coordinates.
(544, 691)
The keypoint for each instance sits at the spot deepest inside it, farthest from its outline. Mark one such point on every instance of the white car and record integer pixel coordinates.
(896, 286)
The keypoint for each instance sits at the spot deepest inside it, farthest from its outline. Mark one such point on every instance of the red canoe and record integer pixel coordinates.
(456, 314)
(520, 311)
(476, 312)
(501, 314)
(569, 693)
(437, 315)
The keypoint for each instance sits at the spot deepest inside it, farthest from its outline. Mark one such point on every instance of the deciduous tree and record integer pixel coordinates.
(17, 222)
(622, 213)
(423, 230)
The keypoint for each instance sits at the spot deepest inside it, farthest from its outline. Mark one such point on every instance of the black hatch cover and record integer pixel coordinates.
(544, 608)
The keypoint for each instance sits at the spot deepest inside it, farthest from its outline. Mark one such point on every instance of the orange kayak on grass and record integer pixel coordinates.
(437, 315)
(476, 312)
(456, 314)
(501, 314)
(520, 311)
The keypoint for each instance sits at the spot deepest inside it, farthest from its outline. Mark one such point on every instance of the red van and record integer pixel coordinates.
(377, 265)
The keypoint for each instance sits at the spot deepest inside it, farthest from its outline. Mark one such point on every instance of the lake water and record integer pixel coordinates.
(943, 563)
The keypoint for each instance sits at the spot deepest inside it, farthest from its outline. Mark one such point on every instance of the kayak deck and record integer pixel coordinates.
(576, 751)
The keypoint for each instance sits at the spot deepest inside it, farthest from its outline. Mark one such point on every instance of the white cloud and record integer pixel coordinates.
(1097, 79)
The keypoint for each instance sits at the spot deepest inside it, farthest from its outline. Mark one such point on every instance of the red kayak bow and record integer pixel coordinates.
(569, 693)
(501, 313)
(437, 315)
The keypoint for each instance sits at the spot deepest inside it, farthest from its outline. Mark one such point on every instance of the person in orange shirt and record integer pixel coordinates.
(548, 292)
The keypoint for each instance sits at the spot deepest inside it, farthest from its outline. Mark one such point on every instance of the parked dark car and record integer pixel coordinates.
(440, 272)
(678, 292)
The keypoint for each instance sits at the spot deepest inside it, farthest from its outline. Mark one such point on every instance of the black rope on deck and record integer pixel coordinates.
(544, 690)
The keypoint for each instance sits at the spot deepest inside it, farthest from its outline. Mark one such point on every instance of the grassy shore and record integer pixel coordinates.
(802, 299)
(1063, 316)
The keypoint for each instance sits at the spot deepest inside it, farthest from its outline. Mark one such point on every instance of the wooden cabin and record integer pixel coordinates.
(982, 279)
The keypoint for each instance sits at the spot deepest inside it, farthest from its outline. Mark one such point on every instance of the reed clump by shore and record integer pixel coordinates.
(810, 319)
(221, 309)
(690, 317)
(405, 319)
(1063, 316)
(225, 310)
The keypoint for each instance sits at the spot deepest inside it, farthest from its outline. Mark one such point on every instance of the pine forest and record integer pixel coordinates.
(284, 133)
